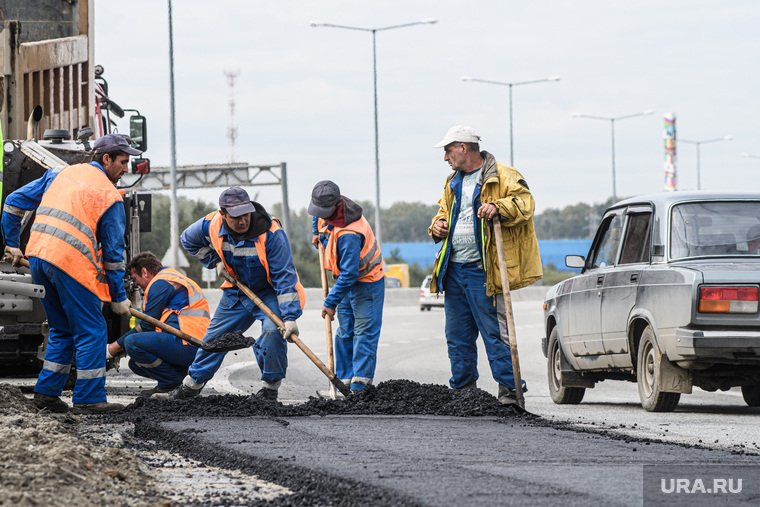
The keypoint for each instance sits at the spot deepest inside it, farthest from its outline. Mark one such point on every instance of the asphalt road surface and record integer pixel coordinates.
(593, 453)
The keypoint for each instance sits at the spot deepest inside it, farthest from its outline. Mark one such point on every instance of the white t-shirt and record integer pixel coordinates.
(464, 247)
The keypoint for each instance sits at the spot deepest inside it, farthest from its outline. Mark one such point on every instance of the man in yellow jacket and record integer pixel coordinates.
(466, 268)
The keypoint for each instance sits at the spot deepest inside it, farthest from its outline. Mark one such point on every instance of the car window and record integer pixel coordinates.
(609, 242)
(637, 239)
(710, 229)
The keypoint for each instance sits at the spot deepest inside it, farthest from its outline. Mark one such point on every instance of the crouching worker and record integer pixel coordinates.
(176, 300)
(243, 241)
(353, 255)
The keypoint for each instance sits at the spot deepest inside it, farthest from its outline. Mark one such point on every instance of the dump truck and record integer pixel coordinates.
(53, 104)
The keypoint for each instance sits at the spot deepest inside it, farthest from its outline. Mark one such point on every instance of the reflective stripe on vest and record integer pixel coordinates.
(194, 318)
(370, 257)
(220, 245)
(63, 232)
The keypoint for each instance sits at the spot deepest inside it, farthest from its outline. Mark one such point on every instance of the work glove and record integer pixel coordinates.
(16, 253)
(291, 328)
(114, 362)
(122, 307)
(221, 271)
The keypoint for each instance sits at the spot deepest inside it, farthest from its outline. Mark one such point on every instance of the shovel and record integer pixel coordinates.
(328, 322)
(508, 310)
(243, 343)
(340, 386)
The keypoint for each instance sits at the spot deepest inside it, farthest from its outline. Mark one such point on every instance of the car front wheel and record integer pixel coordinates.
(751, 395)
(648, 375)
(559, 394)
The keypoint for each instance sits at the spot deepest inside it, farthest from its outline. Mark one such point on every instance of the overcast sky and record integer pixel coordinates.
(304, 95)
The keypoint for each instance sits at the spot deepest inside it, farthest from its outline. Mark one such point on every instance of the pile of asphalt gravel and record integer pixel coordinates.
(392, 397)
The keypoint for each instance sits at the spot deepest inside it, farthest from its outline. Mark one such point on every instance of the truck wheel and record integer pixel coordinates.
(648, 374)
(751, 395)
(560, 395)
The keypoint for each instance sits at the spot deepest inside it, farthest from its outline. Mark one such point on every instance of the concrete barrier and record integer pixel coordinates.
(393, 297)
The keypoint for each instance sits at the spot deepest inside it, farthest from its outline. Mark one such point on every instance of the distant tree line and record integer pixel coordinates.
(403, 222)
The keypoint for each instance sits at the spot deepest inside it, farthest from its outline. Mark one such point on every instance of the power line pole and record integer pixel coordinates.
(232, 129)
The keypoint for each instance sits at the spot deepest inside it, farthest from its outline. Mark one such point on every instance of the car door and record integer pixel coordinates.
(585, 334)
(621, 283)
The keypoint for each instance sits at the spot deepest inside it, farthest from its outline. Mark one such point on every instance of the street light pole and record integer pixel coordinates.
(699, 153)
(510, 85)
(173, 210)
(612, 120)
(427, 21)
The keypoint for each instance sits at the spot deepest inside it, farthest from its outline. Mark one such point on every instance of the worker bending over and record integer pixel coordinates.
(353, 255)
(244, 241)
(176, 300)
(76, 251)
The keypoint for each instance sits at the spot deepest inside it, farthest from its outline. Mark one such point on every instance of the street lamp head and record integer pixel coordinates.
(575, 115)
(553, 78)
(648, 111)
(315, 24)
(429, 21)
(466, 78)
(728, 138)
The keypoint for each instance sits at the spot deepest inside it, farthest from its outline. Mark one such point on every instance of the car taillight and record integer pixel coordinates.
(728, 299)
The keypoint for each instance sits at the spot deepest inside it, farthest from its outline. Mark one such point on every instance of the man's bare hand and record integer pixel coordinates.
(441, 229)
(488, 211)
(315, 241)
(328, 312)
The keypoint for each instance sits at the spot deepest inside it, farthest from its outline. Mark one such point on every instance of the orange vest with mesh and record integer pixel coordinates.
(67, 218)
(195, 318)
(215, 225)
(370, 257)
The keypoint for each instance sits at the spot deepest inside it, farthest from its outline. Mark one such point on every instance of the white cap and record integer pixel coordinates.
(461, 134)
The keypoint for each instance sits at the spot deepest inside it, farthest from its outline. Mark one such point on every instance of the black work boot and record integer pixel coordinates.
(101, 407)
(471, 385)
(189, 388)
(150, 392)
(50, 403)
(508, 396)
(267, 394)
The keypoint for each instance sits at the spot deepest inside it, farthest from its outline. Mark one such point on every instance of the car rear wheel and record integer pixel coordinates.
(751, 395)
(559, 394)
(648, 375)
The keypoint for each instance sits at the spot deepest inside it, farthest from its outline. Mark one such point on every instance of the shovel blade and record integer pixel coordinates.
(228, 342)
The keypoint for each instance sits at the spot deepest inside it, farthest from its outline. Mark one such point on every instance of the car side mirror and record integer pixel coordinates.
(575, 261)
(138, 132)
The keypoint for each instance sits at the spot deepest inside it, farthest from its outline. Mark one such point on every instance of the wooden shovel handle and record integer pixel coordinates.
(293, 338)
(508, 309)
(167, 328)
(328, 322)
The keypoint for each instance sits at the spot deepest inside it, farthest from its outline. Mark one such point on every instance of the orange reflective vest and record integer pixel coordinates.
(196, 316)
(67, 218)
(370, 257)
(217, 242)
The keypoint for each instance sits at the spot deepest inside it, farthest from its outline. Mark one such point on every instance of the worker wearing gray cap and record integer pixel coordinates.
(76, 251)
(467, 269)
(353, 255)
(243, 241)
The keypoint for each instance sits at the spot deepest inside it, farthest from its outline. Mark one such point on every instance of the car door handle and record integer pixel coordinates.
(600, 281)
(634, 278)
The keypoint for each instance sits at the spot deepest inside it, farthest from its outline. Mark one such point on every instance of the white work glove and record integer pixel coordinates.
(291, 328)
(221, 271)
(16, 253)
(122, 307)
